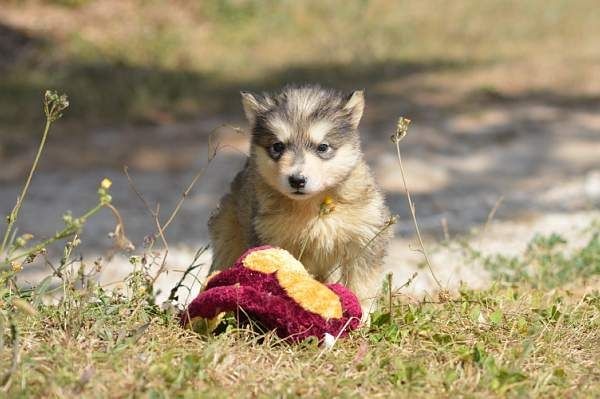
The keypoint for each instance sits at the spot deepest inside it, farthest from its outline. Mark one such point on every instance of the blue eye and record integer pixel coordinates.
(323, 147)
(278, 147)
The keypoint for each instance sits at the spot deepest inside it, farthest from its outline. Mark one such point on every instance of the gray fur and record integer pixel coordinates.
(255, 213)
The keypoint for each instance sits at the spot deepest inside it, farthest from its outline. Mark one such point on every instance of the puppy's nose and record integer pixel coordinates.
(297, 181)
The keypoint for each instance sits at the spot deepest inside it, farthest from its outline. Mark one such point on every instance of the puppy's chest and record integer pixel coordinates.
(323, 240)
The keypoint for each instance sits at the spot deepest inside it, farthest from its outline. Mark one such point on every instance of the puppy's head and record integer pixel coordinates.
(304, 139)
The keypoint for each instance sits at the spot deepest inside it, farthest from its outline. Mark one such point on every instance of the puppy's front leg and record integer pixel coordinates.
(364, 276)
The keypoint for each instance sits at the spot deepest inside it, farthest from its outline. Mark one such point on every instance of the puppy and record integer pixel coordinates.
(306, 188)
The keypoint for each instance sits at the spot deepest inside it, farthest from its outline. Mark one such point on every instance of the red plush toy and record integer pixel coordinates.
(270, 286)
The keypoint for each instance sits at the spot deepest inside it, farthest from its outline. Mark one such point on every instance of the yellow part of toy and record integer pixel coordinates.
(205, 326)
(296, 281)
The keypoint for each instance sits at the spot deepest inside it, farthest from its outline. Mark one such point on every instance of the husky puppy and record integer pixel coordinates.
(306, 188)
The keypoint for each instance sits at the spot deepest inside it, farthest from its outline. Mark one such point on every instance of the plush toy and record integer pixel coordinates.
(269, 286)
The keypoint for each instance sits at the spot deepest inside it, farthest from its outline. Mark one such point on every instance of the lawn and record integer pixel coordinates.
(525, 336)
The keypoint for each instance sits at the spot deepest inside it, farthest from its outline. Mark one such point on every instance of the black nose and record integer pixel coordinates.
(297, 181)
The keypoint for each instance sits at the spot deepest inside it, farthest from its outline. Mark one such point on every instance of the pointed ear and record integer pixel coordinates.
(253, 105)
(355, 105)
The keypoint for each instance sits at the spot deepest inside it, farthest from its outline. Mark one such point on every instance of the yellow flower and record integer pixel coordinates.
(327, 206)
(106, 183)
(16, 266)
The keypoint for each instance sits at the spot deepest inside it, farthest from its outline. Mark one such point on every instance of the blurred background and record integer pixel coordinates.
(504, 97)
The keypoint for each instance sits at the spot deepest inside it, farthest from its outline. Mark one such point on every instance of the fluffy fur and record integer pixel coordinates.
(306, 133)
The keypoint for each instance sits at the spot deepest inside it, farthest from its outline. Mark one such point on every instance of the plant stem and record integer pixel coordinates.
(15, 212)
(390, 276)
(66, 232)
(412, 211)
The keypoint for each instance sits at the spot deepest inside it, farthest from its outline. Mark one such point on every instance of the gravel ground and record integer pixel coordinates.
(539, 163)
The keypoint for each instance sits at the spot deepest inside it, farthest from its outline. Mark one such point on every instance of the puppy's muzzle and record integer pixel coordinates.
(297, 181)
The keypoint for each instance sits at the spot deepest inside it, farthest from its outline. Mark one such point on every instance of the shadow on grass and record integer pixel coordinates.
(15, 44)
(113, 92)
(107, 92)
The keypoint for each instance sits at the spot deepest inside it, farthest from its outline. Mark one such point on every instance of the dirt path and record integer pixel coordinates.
(541, 160)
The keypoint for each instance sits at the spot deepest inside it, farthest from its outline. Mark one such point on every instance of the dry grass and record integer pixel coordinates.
(505, 341)
(534, 333)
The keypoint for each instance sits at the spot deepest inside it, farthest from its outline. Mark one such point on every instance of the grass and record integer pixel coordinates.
(513, 339)
(546, 264)
(154, 62)
(533, 333)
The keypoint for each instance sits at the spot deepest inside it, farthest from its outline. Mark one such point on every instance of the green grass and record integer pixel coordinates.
(546, 264)
(517, 338)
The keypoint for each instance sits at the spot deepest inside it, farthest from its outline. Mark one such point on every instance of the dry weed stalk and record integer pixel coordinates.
(54, 104)
(16, 251)
(401, 132)
(213, 150)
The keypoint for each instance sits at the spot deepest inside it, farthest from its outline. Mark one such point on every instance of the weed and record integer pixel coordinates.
(401, 132)
(545, 263)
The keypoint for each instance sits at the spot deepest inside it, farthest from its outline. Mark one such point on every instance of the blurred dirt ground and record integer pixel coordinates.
(520, 130)
(540, 161)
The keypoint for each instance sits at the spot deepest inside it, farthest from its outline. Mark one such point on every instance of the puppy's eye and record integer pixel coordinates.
(278, 147)
(323, 148)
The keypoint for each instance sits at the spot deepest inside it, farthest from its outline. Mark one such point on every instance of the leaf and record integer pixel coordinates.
(442, 338)
(478, 353)
(496, 317)
(475, 313)
(507, 377)
(382, 319)
(42, 289)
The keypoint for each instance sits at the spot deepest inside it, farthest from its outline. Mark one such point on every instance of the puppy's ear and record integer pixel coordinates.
(253, 105)
(355, 105)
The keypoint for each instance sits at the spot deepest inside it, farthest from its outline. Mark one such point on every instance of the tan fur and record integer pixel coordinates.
(346, 245)
(335, 243)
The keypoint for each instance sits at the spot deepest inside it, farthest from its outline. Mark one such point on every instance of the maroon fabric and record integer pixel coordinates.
(260, 297)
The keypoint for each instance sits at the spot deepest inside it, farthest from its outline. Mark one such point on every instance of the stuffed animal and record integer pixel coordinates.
(269, 286)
